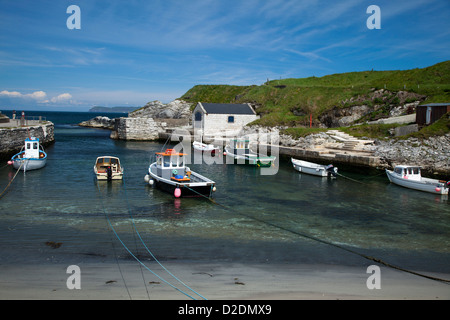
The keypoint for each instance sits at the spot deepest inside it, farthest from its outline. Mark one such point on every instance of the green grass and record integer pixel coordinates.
(290, 102)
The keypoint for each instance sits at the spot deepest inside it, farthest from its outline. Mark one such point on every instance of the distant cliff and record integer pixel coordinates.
(112, 109)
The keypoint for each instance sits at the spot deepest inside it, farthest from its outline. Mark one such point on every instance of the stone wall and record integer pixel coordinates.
(12, 139)
(137, 129)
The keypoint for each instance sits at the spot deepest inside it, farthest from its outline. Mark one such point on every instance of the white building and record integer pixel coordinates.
(218, 118)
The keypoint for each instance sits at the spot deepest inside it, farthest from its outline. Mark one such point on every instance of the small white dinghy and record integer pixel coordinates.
(203, 147)
(108, 168)
(314, 168)
(31, 157)
(410, 177)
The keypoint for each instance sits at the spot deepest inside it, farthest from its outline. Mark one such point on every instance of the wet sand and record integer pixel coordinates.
(214, 281)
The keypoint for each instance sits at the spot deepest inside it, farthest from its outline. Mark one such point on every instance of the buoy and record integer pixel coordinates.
(214, 189)
(224, 153)
(151, 181)
(10, 162)
(147, 178)
(438, 189)
(177, 193)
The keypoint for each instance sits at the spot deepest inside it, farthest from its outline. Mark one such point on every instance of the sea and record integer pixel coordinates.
(286, 218)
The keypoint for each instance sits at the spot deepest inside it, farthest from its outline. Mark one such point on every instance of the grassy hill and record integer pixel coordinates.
(290, 102)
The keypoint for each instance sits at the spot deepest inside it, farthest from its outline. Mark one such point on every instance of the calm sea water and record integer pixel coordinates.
(257, 219)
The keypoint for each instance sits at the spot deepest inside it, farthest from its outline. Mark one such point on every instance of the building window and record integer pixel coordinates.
(231, 119)
(198, 116)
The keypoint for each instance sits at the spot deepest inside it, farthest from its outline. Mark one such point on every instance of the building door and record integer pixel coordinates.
(428, 118)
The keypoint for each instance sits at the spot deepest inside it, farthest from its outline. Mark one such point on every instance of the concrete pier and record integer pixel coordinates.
(14, 132)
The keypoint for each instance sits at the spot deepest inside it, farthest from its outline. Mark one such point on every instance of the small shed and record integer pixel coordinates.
(427, 114)
(213, 118)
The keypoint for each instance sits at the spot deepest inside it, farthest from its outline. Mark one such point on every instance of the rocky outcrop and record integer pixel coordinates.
(12, 139)
(177, 109)
(99, 122)
(431, 154)
(377, 105)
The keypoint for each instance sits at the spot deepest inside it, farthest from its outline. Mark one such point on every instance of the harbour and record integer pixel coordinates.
(254, 219)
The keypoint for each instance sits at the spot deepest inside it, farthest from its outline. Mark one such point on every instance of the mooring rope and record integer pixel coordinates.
(134, 256)
(9, 184)
(334, 245)
(148, 250)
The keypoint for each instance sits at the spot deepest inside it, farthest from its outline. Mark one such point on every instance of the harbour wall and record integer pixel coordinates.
(12, 138)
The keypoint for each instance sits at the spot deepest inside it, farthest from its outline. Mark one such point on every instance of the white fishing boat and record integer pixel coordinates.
(108, 168)
(314, 168)
(410, 177)
(203, 147)
(239, 150)
(169, 173)
(31, 157)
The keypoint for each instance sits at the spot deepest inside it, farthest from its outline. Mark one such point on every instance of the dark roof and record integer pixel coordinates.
(227, 108)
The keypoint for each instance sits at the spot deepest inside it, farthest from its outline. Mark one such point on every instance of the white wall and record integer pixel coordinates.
(216, 123)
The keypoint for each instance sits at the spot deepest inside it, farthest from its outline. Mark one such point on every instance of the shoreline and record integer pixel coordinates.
(214, 281)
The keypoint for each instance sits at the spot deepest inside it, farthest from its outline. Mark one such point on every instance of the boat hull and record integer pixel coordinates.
(253, 160)
(104, 176)
(207, 148)
(26, 164)
(311, 168)
(426, 185)
(199, 186)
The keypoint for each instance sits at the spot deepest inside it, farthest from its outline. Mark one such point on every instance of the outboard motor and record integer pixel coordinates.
(109, 173)
(332, 171)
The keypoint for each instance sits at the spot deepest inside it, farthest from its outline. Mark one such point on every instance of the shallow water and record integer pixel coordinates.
(256, 218)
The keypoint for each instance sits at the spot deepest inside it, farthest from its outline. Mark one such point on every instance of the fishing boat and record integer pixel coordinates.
(410, 177)
(203, 147)
(314, 168)
(31, 157)
(108, 168)
(170, 173)
(239, 150)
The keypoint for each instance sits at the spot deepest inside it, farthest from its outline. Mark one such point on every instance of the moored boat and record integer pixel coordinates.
(203, 147)
(411, 177)
(239, 150)
(108, 168)
(31, 157)
(314, 168)
(170, 173)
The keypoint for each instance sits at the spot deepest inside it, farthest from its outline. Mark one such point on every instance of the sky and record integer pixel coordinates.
(127, 53)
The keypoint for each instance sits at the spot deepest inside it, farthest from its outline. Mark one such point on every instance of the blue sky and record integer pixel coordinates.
(133, 52)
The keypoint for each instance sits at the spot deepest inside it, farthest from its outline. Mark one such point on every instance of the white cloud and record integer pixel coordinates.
(10, 94)
(64, 97)
(37, 95)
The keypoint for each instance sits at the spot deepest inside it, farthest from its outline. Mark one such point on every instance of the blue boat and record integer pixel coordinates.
(31, 157)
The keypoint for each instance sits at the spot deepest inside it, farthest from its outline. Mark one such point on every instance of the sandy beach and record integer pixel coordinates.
(213, 281)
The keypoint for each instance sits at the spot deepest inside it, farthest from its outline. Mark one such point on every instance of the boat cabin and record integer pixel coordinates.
(103, 163)
(31, 148)
(408, 172)
(170, 165)
(240, 146)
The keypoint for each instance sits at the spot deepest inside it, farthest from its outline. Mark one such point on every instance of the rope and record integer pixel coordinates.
(148, 250)
(3, 192)
(129, 251)
(336, 245)
(349, 178)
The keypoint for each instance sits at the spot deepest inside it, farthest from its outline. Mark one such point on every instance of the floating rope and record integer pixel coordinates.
(134, 256)
(334, 245)
(148, 250)
(3, 192)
